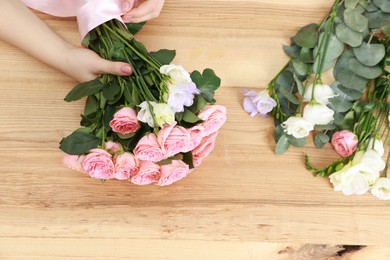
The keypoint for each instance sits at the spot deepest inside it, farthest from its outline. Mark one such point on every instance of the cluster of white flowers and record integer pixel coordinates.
(363, 173)
(315, 112)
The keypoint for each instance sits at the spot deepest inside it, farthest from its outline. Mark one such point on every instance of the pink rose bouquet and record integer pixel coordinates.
(152, 127)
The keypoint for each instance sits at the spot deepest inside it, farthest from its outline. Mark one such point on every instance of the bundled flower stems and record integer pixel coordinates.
(153, 127)
(352, 112)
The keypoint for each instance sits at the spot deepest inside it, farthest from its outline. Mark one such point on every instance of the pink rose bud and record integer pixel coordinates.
(214, 117)
(74, 162)
(344, 142)
(126, 166)
(148, 149)
(111, 146)
(173, 140)
(148, 173)
(98, 164)
(173, 172)
(203, 150)
(125, 121)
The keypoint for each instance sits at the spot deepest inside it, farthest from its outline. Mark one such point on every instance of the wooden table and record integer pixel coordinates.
(243, 202)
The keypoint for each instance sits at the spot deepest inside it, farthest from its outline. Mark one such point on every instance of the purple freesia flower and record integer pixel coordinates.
(182, 95)
(258, 103)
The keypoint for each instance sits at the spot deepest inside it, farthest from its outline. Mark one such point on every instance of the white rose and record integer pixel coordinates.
(322, 93)
(145, 115)
(297, 127)
(377, 146)
(350, 180)
(381, 189)
(318, 114)
(177, 74)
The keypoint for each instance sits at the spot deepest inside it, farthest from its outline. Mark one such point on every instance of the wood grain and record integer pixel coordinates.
(242, 203)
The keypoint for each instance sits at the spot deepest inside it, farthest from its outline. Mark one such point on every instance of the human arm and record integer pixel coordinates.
(136, 13)
(24, 30)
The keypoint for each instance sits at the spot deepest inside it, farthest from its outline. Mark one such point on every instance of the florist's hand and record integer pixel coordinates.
(83, 65)
(136, 13)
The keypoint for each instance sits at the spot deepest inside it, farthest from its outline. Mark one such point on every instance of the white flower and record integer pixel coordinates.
(297, 127)
(371, 165)
(163, 114)
(381, 189)
(322, 93)
(350, 180)
(145, 115)
(318, 114)
(181, 95)
(377, 146)
(177, 74)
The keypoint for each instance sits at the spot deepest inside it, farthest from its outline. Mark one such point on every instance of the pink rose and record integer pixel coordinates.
(203, 150)
(214, 117)
(173, 172)
(148, 173)
(74, 162)
(112, 147)
(344, 142)
(125, 121)
(197, 134)
(173, 139)
(126, 166)
(148, 149)
(98, 164)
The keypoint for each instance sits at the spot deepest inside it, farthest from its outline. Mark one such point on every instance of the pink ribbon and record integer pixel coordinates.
(89, 13)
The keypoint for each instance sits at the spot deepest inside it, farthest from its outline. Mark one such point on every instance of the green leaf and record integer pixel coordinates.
(110, 91)
(299, 67)
(297, 142)
(79, 143)
(320, 140)
(293, 51)
(135, 27)
(370, 54)
(364, 71)
(377, 19)
(207, 83)
(282, 145)
(307, 36)
(140, 47)
(348, 36)
(287, 94)
(84, 89)
(384, 5)
(352, 81)
(355, 20)
(91, 105)
(199, 103)
(164, 56)
(190, 117)
(351, 3)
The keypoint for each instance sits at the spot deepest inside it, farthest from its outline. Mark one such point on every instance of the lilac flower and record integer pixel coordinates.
(181, 95)
(260, 103)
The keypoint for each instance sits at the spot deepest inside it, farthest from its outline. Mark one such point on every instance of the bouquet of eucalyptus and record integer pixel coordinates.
(154, 126)
(352, 112)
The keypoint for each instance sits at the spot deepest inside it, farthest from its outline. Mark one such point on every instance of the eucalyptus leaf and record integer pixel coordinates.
(299, 67)
(364, 71)
(377, 19)
(282, 145)
(334, 48)
(352, 93)
(349, 36)
(297, 142)
(340, 104)
(343, 62)
(355, 20)
(384, 5)
(352, 81)
(371, 7)
(351, 3)
(290, 97)
(307, 36)
(321, 139)
(300, 87)
(386, 29)
(344, 93)
(293, 51)
(306, 55)
(370, 54)
(325, 67)
(79, 143)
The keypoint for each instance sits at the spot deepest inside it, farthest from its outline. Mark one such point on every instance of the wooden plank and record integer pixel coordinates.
(242, 201)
